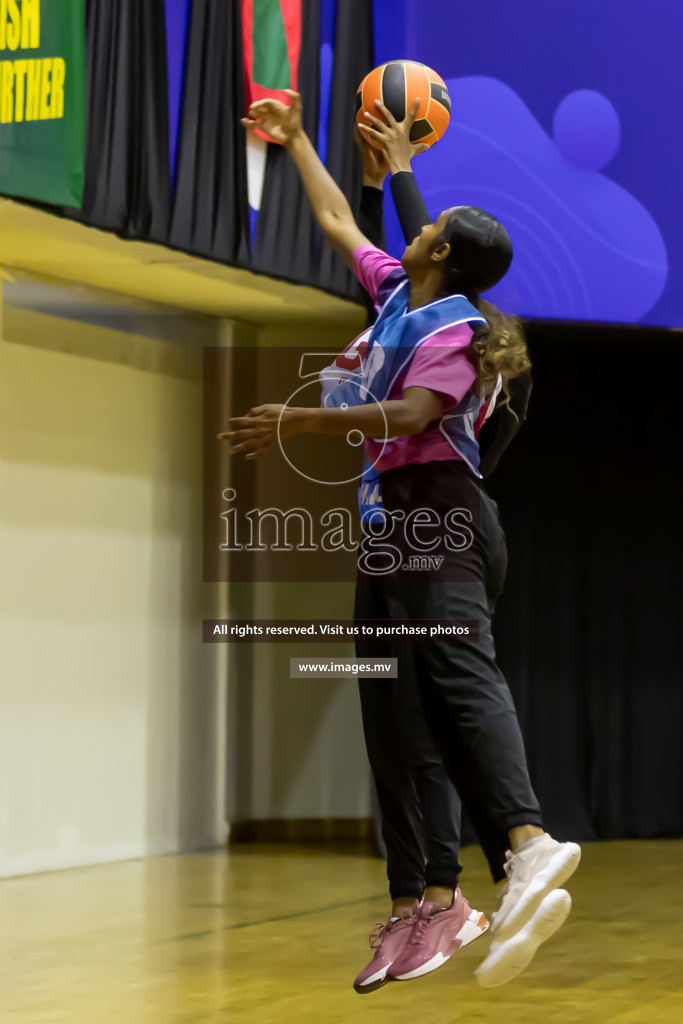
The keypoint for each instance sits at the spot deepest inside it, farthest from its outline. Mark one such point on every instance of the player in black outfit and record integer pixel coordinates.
(428, 835)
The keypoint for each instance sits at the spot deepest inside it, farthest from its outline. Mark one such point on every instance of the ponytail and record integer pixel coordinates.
(479, 256)
(499, 348)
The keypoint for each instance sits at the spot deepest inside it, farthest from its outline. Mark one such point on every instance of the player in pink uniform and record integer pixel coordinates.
(434, 363)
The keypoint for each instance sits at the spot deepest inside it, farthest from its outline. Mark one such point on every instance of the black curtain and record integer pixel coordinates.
(128, 183)
(588, 627)
(211, 210)
(354, 50)
(127, 168)
(286, 242)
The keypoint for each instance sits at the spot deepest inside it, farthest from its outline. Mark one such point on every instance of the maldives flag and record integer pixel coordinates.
(271, 31)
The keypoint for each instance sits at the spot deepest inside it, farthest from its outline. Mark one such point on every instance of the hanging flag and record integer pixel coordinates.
(42, 100)
(271, 31)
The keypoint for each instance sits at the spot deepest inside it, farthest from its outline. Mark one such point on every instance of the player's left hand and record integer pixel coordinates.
(392, 136)
(253, 434)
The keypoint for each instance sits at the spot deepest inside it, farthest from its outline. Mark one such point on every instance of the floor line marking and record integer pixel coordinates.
(272, 920)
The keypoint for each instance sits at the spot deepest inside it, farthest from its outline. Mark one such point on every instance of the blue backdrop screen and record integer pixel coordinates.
(566, 126)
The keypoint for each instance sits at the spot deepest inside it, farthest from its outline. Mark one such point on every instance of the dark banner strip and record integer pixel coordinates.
(315, 631)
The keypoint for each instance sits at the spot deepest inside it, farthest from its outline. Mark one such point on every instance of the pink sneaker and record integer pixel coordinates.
(389, 941)
(436, 936)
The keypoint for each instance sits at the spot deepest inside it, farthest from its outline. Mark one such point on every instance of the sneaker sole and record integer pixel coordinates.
(559, 868)
(374, 982)
(475, 926)
(372, 986)
(517, 953)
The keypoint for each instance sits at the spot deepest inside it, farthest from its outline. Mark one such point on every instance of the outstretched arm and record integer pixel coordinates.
(265, 425)
(329, 203)
(398, 151)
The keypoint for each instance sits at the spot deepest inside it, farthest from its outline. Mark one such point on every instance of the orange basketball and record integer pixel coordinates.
(398, 84)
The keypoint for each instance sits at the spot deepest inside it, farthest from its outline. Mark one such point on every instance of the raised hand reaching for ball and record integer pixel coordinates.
(281, 122)
(392, 136)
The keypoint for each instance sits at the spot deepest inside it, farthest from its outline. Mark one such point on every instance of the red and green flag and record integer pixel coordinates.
(272, 42)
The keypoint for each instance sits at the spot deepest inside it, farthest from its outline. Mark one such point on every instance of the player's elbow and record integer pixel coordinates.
(419, 422)
(334, 222)
(418, 409)
(411, 420)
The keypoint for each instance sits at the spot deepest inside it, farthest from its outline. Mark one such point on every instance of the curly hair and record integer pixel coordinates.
(499, 349)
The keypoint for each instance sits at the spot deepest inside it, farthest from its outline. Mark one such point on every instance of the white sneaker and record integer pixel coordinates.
(532, 873)
(508, 959)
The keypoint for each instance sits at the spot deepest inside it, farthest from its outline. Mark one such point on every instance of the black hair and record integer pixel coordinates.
(481, 251)
(480, 255)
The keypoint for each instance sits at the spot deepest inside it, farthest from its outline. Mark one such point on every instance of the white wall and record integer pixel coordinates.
(296, 746)
(112, 712)
(299, 752)
(113, 735)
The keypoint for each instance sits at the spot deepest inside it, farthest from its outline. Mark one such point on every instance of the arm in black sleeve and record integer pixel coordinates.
(498, 432)
(371, 215)
(371, 224)
(410, 207)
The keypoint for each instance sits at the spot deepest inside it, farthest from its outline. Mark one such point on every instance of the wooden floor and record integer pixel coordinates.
(277, 935)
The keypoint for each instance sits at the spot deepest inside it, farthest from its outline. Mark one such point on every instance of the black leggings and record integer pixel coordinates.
(449, 715)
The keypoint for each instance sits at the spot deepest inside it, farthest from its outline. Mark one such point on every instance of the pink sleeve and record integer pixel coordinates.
(372, 267)
(441, 364)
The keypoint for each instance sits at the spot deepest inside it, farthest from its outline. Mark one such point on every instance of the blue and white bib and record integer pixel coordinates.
(392, 344)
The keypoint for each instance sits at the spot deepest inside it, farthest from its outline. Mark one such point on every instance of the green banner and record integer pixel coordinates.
(42, 99)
